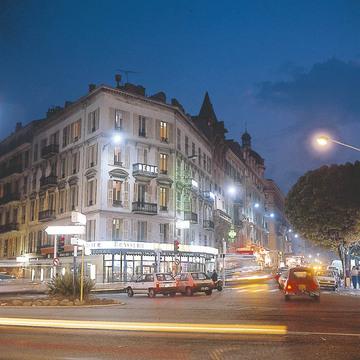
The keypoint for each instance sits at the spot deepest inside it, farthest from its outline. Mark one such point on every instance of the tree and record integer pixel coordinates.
(324, 206)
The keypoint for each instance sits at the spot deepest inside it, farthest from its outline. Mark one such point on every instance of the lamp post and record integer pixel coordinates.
(324, 140)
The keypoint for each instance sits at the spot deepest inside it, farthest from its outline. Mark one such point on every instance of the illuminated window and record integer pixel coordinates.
(164, 195)
(163, 131)
(163, 163)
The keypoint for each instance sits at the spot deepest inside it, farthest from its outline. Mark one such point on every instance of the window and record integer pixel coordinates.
(163, 164)
(186, 145)
(66, 136)
(141, 193)
(90, 230)
(43, 143)
(142, 126)
(91, 192)
(25, 185)
(116, 192)
(164, 131)
(117, 229)
(117, 156)
(73, 197)
(51, 204)
(54, 138)
(193, 149)
(118, 120)
(26, 159)
(164, 232)
(76, 130)
(91, 155)
(41, 203)
(178, 139)
(36, 152)
(75, 162)
(23, 214)
(178, 200)
(142, 155)
(63, 167)
(33, 182)
(62, 203)
(32, 210)
(141, 231)
(204, 161)
(93, 121)
(199, 157)
(164, 195)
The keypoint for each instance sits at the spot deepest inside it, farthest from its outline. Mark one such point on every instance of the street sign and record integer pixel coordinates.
(78, 242)
(66, 230)
(78, 218)
(56, 262)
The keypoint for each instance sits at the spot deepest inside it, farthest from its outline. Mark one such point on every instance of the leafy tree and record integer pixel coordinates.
(324, 206)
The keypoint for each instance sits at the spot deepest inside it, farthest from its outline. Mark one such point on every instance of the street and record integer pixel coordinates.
(326, 330)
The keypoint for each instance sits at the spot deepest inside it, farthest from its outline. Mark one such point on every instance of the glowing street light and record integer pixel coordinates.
(116, 139)
(272, 215)
(256, 205)
(324, 140)
(296, 236)
(232, 190)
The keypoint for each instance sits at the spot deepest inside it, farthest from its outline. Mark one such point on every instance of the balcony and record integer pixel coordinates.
(12, 169)
(49, 151)
(48, 182)
(144, 172)
(117, 203)
(193, 217)
(9, 198)
(208, 224)
(208, 196)
(46, 215)
(9, 227)
(223, 215)
(144, 208)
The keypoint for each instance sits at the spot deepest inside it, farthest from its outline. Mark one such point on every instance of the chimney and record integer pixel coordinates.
(118, 80)
(92, 87)
(18, 126)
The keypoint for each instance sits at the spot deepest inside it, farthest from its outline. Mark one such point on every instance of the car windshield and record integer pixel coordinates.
(326, 273)
(301, 274)
(164, 277)
(199, 276)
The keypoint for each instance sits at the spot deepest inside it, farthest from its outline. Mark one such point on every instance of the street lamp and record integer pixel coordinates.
(116, 140)
(232, 190)
(324, 140)
(256, 205)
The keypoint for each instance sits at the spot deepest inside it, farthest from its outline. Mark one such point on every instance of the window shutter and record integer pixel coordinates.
(126, 229)
(89, 123)
(126, 121)
(95, 191)
(134, 230)
(157, 129)
(126, 194)
(127, 157)
(110, 193)
(97, 118)
(109, 222)
(148, 194)
(112, 118)
(170, 133)
(110, 154)
(136, 124)
(96, 153)
(87, 157)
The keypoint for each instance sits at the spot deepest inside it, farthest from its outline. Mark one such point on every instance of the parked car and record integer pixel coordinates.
(152, 284)
(193, 282)
(327, 279)
(302, 281)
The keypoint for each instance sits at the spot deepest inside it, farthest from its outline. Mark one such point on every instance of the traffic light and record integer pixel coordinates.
(61, 243)
(176, 246)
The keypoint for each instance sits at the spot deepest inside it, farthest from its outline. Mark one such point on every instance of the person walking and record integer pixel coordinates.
(354, 276)
(214, 276)
(358, 278)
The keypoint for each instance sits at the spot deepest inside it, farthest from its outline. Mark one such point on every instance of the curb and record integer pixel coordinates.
(58, 306)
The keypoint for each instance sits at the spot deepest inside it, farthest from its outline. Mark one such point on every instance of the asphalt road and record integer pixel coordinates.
(326, 330)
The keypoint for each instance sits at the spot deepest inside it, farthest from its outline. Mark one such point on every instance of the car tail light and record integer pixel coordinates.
(288, 287)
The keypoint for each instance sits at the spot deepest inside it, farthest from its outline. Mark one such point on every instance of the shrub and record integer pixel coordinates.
(63, 285)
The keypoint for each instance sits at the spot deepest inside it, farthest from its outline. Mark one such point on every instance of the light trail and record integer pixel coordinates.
(244, 329)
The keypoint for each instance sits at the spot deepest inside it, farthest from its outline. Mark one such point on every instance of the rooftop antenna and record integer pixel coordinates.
(127, 72)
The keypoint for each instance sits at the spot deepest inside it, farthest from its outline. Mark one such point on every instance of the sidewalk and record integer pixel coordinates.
(348, 291)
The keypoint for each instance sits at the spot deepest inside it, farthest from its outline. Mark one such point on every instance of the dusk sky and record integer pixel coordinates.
(286, 68)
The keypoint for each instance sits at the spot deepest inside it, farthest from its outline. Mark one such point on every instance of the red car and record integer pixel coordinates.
(302, 281)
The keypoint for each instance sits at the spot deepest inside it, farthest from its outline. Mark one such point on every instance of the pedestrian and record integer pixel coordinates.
(214, 276)
(354, 276)
(358, 269)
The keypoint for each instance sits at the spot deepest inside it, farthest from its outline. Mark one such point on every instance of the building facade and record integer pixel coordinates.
(143, 172)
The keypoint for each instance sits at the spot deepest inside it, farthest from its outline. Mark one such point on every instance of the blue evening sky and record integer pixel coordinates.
(284, 67)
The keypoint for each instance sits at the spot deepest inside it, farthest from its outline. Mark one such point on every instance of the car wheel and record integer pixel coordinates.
(219, 288)
(151, 293)
(172, 294)
(287, 297)
(188, 291)
(130, 292)
(208, 292)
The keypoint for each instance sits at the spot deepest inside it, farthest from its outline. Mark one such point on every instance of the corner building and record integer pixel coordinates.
(143, 172)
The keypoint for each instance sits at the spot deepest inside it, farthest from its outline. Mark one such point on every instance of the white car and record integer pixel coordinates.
(282, 279)
(327, 279)
(152, 284)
